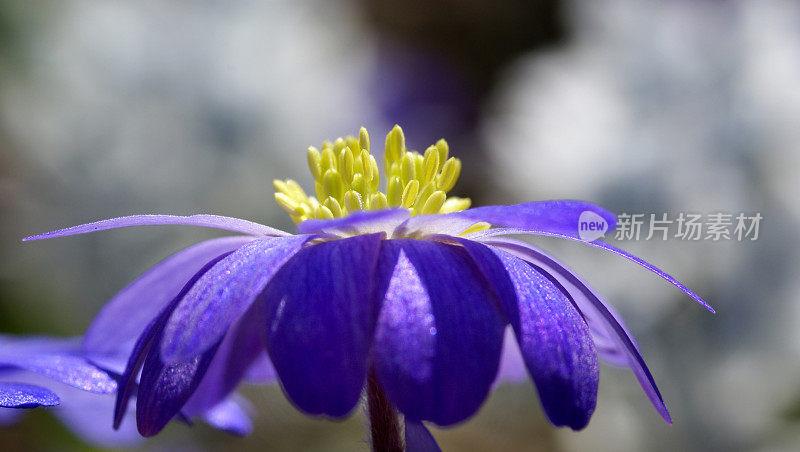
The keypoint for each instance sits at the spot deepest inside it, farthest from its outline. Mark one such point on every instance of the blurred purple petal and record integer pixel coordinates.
(235, 355)
(366, 222)
(87, 414)
(319, 323)
(145, 343)
(203, 220)
(419, 439)
(597, 312)
(439, 336)
(20, 395)
(38, 344)
(560, 217)
(512, 366)
(124, 317)
(68, 369)
(552, 335)
(90, 416)
(261, 371)
(483, 236)
(229, 416)
(222, 294)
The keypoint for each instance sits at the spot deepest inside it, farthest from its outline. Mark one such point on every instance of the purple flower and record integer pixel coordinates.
(404, 292)
(42, 371)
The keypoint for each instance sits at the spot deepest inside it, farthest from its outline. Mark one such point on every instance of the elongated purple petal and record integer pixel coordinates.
(222, 295)
(561, 217)
(164, 389)
(553, 337)
(597, 311)
(485, 235)
(229, 416)
(20, 395)
(124, 317)
(203, 220)
(68, 369)
(145, 343)
(238, 351)
(437, 345)
(366, 222)
(419, 439)
(319, 323)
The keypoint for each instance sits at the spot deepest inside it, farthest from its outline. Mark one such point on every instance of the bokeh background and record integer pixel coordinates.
(179, 106)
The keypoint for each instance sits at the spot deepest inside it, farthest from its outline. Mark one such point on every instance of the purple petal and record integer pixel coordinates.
(319, 323)
(603, 336)
(89, 416)
(127, 382)
(485, 235)
(39, 344)
(419, 439)
(439, 336)
(72, 370)
(236, 354)
(146, 341)
(553, 337)
(124, 317)
(561, 217)
(597, 312)
(364, 222)
(20, 395)
(229, 416)
(261, 371)
(205, 221)
(424, 225)
(222, 295)
(164, 389)
(86, 414)
(512, 366)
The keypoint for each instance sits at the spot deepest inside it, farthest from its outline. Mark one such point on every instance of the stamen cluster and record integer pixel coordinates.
(347, 179)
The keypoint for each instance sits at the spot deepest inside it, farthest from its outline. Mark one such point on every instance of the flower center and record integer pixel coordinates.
(347, 179)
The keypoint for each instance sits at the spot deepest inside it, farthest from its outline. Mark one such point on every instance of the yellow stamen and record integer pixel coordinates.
(410, 194)
(347, 178)
(482, 226)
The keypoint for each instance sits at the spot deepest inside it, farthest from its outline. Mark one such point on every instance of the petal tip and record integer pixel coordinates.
(665, 414)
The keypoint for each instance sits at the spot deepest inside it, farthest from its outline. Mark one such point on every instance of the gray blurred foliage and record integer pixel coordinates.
(677, 107)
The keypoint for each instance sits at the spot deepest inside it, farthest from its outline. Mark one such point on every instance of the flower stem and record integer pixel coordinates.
(383, 423)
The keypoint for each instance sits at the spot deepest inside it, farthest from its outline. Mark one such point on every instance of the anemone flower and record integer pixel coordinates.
(404, 295)
(43, 371)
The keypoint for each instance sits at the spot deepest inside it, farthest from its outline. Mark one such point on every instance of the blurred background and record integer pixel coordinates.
(114, 108)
